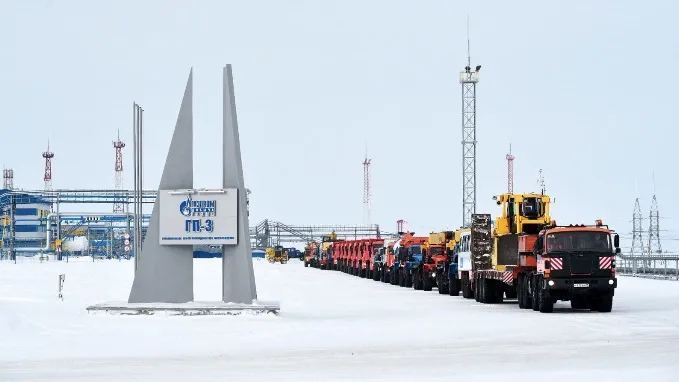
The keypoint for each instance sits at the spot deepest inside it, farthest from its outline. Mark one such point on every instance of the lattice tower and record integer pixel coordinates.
(48, 155)
(637, 231)
(118, 145)
(366, 189)
(8, 178)
(654, 246)
(468, 80)
(510, 171)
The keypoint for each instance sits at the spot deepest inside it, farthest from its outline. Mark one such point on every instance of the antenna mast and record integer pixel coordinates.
(468, 80)
(366, 187)
(48, 155)
(119, 204)
(510, 171)
(541, 182)
(8, 178)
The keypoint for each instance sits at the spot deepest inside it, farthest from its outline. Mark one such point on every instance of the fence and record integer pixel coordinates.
(657, 267)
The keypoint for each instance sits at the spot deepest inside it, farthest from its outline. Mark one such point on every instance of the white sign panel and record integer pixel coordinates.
(197, 217)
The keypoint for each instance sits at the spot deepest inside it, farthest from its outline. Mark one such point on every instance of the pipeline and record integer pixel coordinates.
(47, 242)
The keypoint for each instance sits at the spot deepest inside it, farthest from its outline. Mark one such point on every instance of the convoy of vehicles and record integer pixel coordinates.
(522, 255)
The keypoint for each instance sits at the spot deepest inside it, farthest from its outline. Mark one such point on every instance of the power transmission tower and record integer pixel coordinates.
(654, 246)
(637, 232)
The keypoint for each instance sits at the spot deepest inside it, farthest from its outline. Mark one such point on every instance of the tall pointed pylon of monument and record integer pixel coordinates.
(165, 274)
(238, 278)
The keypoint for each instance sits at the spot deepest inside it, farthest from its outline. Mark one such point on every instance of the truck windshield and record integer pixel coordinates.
(435, 251)
(415, 250)
(531, 208)
(578, 241)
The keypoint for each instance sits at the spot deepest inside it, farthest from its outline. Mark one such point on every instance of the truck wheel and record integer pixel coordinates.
(524, 293)
(534, 293)
(417, 281)
(604, 304)
(444, 287)
(453, 287)
(546, 305)
(519, 290)
(498, 291)
(467, 291)
(475, 288)
(482, 289)
(511, 292)
(409, 280)
(426, 283)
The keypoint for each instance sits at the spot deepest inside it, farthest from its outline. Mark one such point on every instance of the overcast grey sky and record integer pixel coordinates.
(585, 90)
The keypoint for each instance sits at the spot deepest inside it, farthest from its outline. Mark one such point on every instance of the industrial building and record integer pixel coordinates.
(37, 222)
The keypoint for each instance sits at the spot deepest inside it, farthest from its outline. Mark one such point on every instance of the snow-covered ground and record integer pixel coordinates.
(332, 326)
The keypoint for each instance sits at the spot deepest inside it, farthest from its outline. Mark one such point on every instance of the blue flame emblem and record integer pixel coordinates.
(185, 206)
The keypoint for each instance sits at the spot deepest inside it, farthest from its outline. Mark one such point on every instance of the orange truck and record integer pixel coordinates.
(434, 254)
(408, 250)
(384, 261)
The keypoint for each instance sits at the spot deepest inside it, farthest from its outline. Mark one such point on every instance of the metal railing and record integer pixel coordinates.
(660, 266)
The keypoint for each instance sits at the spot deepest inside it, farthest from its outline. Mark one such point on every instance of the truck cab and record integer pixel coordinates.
(384, 259)
(309, 251)
(577, 263)
(408, 254)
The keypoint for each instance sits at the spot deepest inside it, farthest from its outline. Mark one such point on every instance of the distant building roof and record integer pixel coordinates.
(21, 197)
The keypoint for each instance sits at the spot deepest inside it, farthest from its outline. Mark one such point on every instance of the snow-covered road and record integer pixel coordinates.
(332, 327)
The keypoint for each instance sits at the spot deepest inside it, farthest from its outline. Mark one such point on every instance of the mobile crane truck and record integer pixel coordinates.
(434, 253)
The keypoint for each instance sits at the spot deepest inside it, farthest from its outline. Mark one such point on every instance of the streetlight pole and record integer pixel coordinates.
(137, 133)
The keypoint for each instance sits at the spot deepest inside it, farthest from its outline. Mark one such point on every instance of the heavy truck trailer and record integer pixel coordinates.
(528, 256)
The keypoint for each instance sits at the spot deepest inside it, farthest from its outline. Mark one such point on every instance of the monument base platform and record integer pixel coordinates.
(194, 308)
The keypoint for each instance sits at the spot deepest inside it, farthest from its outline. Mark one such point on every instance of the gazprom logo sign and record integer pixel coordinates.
(190, 207)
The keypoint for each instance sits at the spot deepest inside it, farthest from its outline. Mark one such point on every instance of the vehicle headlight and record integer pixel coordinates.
(550, 283)
(610, 282)
(433, 274)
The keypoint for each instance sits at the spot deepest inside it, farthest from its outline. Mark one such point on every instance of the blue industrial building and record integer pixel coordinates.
(27, 216)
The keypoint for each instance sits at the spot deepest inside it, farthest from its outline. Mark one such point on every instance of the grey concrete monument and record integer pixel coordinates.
(238, 282)
(165, 273)
(164, 277)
